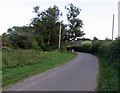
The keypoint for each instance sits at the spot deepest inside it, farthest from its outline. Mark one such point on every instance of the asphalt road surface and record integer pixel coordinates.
(80, 74)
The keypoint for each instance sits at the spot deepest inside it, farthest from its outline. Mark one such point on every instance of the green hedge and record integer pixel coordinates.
(109, 50)
(81, 48)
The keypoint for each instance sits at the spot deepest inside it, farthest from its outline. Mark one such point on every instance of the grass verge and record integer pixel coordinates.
(20, 64)
(108, 75)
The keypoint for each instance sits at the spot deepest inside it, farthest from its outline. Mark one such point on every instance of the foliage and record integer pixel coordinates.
(23, 41)
(46, 24)
(109, 50)
(6, 40)
(108, 76)
(43, 31)
(96, 44)
(39, 40)
(19, 30)
(107, 39)
(95, 38)
(75, 24)
(81, 48)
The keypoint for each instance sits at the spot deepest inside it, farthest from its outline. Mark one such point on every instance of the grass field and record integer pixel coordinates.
(20, 64)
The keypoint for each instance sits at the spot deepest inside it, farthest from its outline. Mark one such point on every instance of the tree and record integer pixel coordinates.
(95, 38)
(75, 24)
(45, 23)
(107, 39)
(19, 30)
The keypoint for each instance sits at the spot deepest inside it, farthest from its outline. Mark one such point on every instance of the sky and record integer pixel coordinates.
(97, 15)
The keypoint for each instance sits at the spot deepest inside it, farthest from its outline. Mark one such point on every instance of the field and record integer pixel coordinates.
(19, 64)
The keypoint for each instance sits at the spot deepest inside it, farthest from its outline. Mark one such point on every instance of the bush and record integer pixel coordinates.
(29, 41)
(49, 48)
(81, 48)
(5, 40)
(39, 40)
(104, 48)
(109, 50)
(95, 45)
(23, 41)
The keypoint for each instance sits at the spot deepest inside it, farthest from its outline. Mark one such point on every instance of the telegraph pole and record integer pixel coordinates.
(113, 28)
(59, 36)
(119, 19)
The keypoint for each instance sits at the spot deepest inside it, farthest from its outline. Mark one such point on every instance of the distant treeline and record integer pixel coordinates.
(83, 39)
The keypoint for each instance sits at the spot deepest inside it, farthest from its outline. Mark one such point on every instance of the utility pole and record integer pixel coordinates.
(59, 37)
(119, 19)
(113, 28)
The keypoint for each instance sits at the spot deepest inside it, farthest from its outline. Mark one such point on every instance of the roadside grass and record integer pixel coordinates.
(20, 64)
(108, 75)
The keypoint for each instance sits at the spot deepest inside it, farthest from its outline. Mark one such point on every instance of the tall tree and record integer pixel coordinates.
(75, 24)
(46, 21)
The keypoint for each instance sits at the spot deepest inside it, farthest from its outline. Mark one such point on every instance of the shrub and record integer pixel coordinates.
(109, 50)
(23, 41)
(81, 48)
(5, 40)
(49, 48)
(104, 48)
(95, 45)
(39, 40)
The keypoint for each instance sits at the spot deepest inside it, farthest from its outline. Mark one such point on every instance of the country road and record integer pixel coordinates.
(80, 74)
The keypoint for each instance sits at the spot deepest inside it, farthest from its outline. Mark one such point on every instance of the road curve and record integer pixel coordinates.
(80, 74)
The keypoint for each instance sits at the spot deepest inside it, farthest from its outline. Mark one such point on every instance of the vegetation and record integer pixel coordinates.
(75, 24)
(108, 75)
(108, 53)
(80, 45)
(43, 30)
(19, 64)
(32, 49)
(46, 24)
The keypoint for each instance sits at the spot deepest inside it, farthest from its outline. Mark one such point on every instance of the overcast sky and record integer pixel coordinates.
(97, 15)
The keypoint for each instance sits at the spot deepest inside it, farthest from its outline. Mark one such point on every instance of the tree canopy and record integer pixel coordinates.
(43, 30)
(75, 24)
